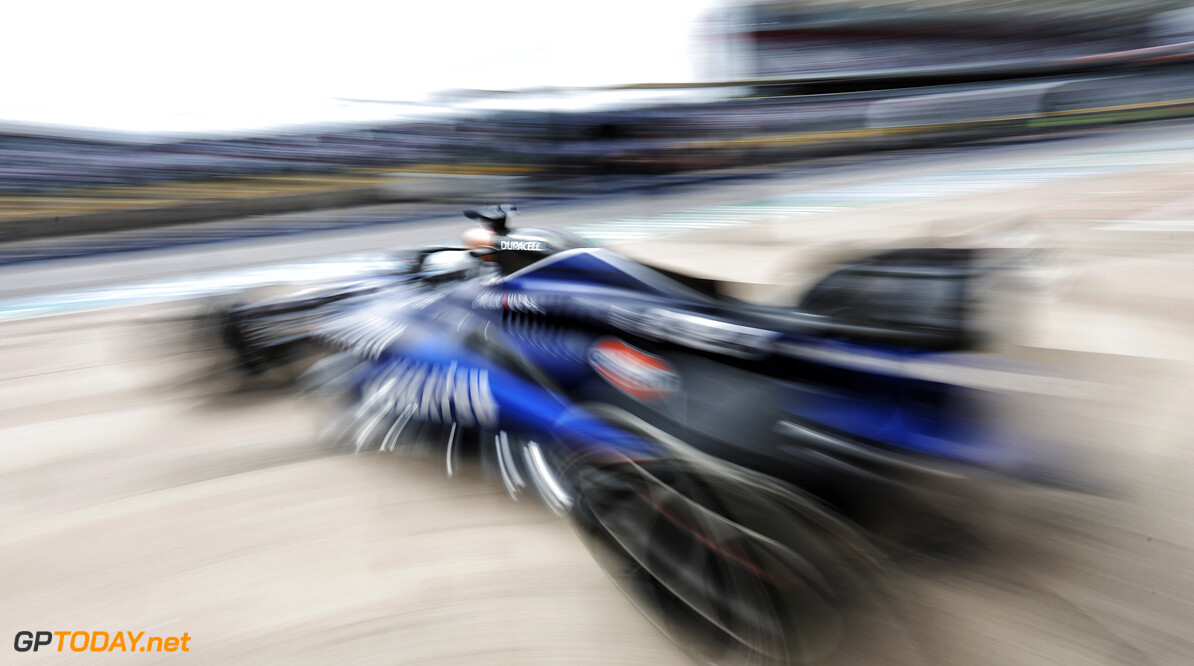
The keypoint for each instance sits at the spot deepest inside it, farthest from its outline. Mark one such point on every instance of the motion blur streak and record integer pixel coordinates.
(159, 474)
(132, 493)
(125, 463)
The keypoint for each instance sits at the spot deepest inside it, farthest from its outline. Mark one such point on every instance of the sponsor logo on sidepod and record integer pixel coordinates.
(633, 371)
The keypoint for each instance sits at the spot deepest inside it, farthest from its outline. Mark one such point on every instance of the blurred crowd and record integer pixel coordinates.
(33, 163)
(848, 36)
(39, 162)
(786, 39)
(826, 54)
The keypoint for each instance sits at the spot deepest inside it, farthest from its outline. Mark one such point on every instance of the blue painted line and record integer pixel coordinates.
(191, 286)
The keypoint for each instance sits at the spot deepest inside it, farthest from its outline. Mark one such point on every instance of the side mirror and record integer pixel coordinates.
(447, 264)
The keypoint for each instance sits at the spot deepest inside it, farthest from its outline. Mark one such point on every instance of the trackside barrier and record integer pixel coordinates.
(400, 189)
(917, 117)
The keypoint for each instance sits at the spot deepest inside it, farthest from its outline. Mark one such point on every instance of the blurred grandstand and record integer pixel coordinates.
(816, 77)
(788, 37)
(54, 161)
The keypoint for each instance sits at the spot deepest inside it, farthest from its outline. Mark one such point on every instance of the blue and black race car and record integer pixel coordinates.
(727, 462)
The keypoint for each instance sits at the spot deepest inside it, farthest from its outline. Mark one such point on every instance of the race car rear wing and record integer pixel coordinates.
(921, 296)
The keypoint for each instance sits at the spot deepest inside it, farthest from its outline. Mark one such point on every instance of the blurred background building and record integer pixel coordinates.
(786, 37)
(784, 80)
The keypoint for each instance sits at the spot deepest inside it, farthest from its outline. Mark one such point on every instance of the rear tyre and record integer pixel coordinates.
(734, 567)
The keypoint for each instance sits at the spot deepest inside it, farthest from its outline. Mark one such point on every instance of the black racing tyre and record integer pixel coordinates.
(734, 567)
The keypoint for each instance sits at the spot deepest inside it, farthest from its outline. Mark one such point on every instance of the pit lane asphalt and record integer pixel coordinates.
(140, 493)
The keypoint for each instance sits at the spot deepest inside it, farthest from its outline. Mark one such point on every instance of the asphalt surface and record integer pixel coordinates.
(138, 491)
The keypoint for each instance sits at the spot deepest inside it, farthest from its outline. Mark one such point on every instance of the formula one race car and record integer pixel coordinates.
(717, 456)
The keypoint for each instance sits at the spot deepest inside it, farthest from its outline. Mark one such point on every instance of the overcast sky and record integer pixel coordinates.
(157, 65)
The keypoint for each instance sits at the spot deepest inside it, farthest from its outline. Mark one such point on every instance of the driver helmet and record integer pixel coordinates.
(477, 238)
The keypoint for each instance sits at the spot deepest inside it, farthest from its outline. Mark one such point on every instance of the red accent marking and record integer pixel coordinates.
(618, 362)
